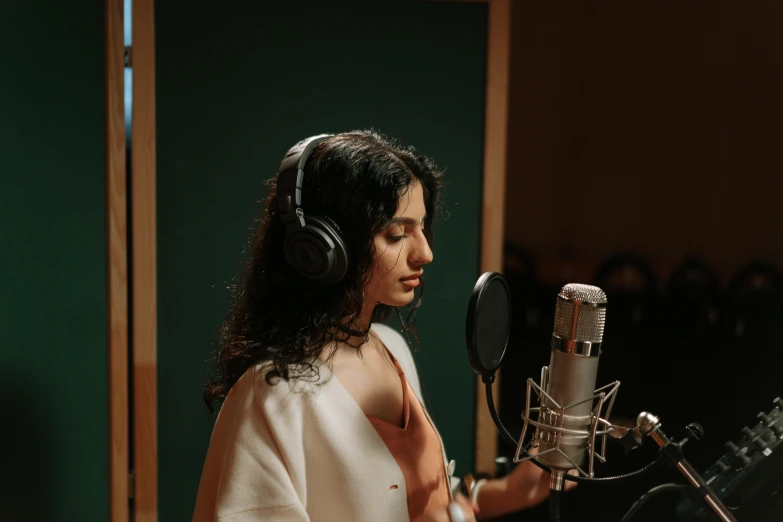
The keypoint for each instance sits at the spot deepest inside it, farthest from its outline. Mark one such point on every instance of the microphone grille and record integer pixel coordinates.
(580, 313)
(584, 293)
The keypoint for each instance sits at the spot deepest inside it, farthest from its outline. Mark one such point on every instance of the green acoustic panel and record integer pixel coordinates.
(240, 82)
(53, 306)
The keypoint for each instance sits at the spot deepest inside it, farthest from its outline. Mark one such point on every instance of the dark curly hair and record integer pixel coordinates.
(356, 179)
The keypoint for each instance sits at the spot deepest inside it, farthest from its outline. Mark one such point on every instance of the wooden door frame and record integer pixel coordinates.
(144, 252)
(493, 216)
(143, 293)
(117, 259)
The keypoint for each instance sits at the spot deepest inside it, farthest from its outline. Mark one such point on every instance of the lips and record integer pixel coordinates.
(411, 281)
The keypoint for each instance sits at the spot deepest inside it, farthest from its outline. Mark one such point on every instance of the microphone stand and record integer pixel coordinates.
(650, 426)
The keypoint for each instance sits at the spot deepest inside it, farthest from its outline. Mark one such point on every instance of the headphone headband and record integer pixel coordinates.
(291, 174)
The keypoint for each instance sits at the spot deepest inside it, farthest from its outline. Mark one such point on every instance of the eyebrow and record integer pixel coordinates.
(405, 220)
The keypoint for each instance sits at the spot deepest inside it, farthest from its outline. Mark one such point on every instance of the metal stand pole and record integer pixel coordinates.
(650, 425)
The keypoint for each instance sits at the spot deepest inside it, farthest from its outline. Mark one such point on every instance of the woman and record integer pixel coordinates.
(321, 418)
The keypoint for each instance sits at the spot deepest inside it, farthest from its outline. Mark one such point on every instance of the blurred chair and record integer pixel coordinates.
(755, 305)
(631, 288)
(692, 302)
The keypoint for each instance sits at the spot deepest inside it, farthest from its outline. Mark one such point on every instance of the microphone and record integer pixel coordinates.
(567, 419)
(568, 415)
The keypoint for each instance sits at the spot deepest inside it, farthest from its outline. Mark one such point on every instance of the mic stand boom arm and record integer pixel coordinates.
(650, 426)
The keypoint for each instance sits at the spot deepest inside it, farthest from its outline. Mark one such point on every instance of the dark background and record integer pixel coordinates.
(645, 158)
(53, 306)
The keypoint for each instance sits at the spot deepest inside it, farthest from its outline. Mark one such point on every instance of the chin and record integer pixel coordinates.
(398, 298)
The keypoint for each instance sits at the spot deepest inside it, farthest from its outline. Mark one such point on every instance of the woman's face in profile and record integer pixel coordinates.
(401, 251)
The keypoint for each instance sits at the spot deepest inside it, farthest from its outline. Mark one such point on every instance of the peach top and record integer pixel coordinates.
(417, 449)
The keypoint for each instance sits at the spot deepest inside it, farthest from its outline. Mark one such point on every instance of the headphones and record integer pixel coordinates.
(314, 245)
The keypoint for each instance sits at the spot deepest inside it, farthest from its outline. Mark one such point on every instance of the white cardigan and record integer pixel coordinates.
(299, 452)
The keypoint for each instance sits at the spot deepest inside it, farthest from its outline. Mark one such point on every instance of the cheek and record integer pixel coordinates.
(387, 260)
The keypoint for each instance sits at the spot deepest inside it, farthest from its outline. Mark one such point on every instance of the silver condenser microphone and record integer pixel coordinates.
(569, 415)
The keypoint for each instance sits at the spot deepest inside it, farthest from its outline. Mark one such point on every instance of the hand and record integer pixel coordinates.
(442, 514)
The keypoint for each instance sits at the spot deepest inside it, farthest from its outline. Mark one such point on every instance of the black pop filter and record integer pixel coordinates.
(488, 324)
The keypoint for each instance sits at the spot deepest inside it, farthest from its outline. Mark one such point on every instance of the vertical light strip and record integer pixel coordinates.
(494, 203)
(143, 200)
(117, 259)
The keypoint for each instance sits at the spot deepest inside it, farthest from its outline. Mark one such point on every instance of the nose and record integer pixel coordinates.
(421, 253)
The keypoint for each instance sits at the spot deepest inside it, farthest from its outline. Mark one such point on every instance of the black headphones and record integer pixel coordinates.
(314, 246)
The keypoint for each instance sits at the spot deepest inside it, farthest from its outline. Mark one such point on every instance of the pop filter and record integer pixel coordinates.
(488, 324)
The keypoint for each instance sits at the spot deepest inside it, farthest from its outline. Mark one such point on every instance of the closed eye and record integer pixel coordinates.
(394, 239)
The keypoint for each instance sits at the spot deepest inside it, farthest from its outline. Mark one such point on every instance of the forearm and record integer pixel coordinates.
(495, 498)
(525, 487)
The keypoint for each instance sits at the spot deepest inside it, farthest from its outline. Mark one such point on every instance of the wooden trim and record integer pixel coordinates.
(145, 410)
(117, 260)
(494, 189)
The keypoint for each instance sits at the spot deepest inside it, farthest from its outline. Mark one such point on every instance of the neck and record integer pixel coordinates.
(362, 324)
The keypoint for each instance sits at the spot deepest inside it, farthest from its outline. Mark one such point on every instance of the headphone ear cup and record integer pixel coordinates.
(317, 251)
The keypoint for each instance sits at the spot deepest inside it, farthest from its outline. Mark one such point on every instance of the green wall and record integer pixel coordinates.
(240, 82)
(53, 318)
